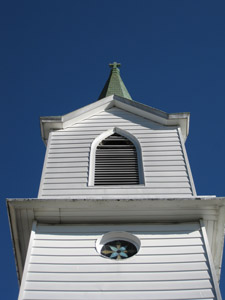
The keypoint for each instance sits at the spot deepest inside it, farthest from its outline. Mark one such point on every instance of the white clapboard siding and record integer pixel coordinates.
(119, 286)
(145, 243)
(115, 277)
(92, 252)
(109, 191)
(156, 295)
(66, 169)
(162, 268)
(172, 263)
(99, 261)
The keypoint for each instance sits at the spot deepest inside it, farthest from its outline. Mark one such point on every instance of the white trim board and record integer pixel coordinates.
(49, 124)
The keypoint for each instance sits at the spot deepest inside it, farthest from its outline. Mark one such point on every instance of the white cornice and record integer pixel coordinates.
(49, 124)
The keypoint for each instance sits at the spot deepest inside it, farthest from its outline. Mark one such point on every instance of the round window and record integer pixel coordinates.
(118, 245)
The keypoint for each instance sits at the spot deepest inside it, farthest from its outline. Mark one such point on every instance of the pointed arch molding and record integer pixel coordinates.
(103, 136)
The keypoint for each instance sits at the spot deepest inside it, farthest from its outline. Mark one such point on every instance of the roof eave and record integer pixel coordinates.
(49, 124)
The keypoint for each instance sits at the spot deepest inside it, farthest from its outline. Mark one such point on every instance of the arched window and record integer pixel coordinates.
(116, 162)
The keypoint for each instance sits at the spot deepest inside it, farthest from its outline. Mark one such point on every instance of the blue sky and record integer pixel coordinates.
(54, 59)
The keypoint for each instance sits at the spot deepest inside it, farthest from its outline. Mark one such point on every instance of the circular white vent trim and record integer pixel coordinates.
(117, 235)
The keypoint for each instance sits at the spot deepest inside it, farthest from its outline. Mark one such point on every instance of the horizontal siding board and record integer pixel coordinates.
(81, 155)
(109, 268)
(92, 130)
(76, 150)
(66, 181)
(92, 252)
(152, 147)
(147, 295)
(66, 169)
(67, 159)
(161, 153)
(81, 143)
(108, 125)
(76, 164)
(151, 142)
(162, 179)
(165, 173)
(66, 175)
(119, 286)
(73, 192)
(154, 276)
(122, 119)
(72, 146)
(154, 259)
(148, 163)
(145, 242)
(145, 147)
(165, 158)
(70, 185)
(141, 135)
(164, 168)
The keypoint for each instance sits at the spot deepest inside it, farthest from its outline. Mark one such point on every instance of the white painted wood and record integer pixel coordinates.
(64, 264)
(44, 166)
(26, 230)
(26, 267)
(71, 155)
(93, 277)
(184, 228)
(14, 230)
(66, 175)
(68, 153)
(152, 163)
(68, 159)
(54, 184)
(22, 243)
(119, 286)
(209, 229)
(210, 260)
(93, 236)
(218, 241)
(152, 295)
(72, 192)
(100, 260)
(108, 268)
(73, 251)
(187, 163)
(91, 243)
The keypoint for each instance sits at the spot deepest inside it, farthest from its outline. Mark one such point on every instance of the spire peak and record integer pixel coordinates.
(115, 66)
(114, 85)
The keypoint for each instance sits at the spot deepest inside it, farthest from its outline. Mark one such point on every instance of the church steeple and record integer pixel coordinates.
(114, 85)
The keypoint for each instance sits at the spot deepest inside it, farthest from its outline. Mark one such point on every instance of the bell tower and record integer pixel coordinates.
(117, 215)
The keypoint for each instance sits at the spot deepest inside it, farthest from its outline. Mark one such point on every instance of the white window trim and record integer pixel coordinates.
(103, 136)
(117, 235)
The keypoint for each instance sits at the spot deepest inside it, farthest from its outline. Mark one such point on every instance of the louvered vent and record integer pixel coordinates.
(116, 162)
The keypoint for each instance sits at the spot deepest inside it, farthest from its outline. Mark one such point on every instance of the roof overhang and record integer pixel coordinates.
(181, 120)
(22, 213)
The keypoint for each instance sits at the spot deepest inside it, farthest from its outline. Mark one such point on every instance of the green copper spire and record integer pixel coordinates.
(114, 85)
